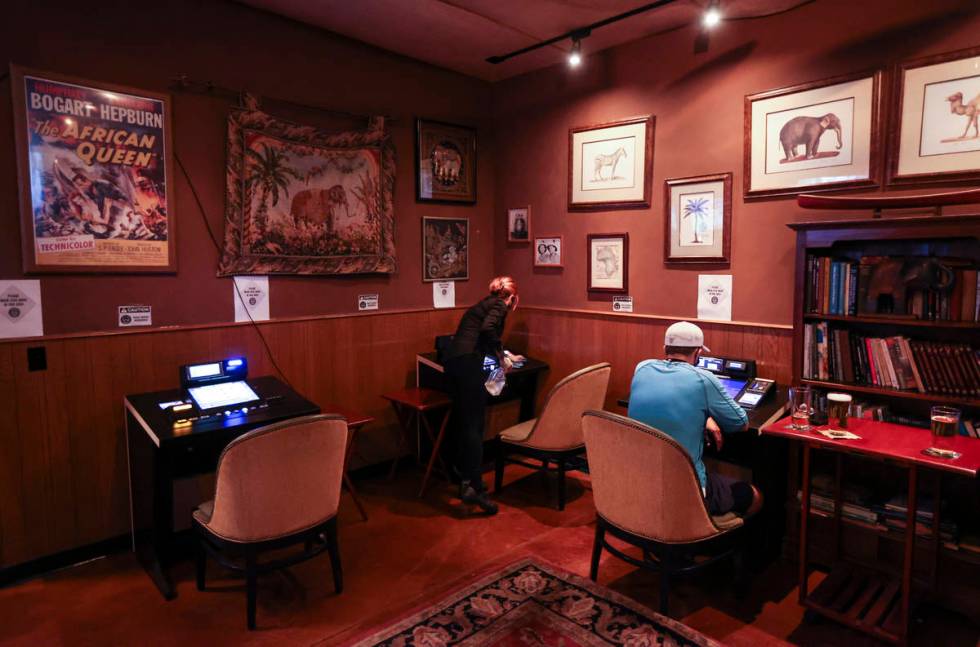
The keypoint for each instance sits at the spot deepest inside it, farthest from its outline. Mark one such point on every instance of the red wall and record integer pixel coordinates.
(239, 47)
(698, 102)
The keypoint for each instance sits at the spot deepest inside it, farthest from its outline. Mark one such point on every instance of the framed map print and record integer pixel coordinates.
(937, 138)
(698, 219)
(813, 137)
(608, 263)
(610, 165)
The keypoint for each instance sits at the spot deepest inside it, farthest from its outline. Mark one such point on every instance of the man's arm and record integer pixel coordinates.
(726, 413)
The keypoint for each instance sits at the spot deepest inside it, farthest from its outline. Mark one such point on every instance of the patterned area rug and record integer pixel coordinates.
(528, 604)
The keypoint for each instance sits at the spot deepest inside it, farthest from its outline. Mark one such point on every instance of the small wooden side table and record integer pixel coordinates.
(412, 405)
(355, 420)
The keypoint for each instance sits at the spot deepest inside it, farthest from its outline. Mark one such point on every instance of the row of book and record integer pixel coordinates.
(841, 355)
(841, 287)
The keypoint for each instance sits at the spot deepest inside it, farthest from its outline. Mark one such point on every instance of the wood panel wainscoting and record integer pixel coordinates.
(570, 339)
(63, 473)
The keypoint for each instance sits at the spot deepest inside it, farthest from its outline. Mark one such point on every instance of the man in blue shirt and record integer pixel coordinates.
(686, 402)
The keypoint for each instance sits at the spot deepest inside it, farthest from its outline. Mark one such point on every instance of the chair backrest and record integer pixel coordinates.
(280, 479)
(643, 481)
(560, 426)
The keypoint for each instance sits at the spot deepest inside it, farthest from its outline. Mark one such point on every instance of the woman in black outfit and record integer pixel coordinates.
(477, 336)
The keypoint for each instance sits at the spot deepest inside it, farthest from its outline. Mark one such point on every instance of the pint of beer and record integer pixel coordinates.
(838, 408)
(945, 423)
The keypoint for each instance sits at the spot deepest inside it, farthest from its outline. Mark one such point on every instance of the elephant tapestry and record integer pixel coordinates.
(304, 201)
(812, 137)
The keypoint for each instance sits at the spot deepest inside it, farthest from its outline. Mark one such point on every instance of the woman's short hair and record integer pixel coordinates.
(503, 286)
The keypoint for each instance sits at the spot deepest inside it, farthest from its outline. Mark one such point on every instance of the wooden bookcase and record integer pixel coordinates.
(943, 574)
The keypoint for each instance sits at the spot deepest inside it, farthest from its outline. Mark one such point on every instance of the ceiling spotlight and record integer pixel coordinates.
(712, 16)
(575, 55)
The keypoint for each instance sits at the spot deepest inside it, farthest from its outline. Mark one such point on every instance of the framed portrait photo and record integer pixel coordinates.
(445, 162)
(698, 222)
(547, 251)
(608, 263)
(610, 166)
(519, 225)
(95, 174)
(937, 138)
(445, 249)
(816, 136)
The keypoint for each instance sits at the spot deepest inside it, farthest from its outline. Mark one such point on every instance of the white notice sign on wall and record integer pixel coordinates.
(715, 297)
(444, 294)
(20, 309)
(251, 295)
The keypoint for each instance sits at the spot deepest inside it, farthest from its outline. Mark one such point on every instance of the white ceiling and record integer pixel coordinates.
(461, 34)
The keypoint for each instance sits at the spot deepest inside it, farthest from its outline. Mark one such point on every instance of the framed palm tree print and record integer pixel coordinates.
(698, 219)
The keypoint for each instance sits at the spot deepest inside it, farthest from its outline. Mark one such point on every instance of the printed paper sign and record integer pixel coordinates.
(367, 302)
(444, 294)
(622, 304)
(20, 309)
(715, 297)
(135, 316)
(251, 295)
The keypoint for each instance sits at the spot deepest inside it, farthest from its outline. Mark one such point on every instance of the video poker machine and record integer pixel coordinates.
(739, 380)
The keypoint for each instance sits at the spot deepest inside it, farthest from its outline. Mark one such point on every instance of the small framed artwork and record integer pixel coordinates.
(698, 225)
(812, 137)
(608, 263)
(610, 166)
(519, 225)
(937, 137)
(445, 249)
(445, 162)
(547, 251)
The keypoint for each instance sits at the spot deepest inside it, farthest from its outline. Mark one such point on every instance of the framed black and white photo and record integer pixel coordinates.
(937, 133)
(547, 251)
(610, 165)
(519, 225)
(445, 249)
(813, 137)
(697, 226)
(608, 269)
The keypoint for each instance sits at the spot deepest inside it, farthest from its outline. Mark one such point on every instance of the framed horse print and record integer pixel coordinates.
(698, 219)
(610, 165)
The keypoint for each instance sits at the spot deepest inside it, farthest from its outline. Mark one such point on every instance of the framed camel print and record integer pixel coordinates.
(817, 136)
(937, 134)
(610, 165)
(698, 225)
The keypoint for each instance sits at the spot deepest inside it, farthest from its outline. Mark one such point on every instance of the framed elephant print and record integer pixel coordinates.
(937, 134)
(445, 162)
(817, 136)
(698, 222)
(610, 165)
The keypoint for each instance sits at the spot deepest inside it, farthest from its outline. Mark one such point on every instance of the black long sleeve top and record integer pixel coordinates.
(481, 328)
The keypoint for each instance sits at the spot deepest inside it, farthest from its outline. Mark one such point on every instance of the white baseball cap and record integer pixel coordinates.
(684, 334)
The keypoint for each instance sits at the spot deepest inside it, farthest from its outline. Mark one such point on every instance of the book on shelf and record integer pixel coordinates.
(839, 287)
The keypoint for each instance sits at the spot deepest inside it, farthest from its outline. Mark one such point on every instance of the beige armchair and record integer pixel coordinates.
(276, 486)
(647, 493)
(556, 434)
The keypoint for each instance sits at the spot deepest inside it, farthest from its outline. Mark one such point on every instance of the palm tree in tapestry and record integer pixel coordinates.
(269, 174)
(697, 209)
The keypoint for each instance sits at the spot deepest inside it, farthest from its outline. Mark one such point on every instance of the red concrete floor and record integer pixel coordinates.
(408, 554)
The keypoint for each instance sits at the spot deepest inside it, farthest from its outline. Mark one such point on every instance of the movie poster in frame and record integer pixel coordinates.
(445, 249)
(698, 222)
(610, 165)
(445, 162)
(95, 175)
(817, 136)
(608, 264)
(936, 137)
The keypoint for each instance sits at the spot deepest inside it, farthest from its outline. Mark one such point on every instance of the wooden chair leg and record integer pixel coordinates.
(404, 426)
(500, 462)
(436, 442)
(333, 548)
(665, 566)
(202, 563)
(600, 535)
(561, 483)
(251, 586)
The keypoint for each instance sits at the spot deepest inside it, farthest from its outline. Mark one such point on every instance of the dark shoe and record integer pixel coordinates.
(468, 494)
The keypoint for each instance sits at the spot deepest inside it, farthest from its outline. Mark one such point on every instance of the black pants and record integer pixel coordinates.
(465, 380)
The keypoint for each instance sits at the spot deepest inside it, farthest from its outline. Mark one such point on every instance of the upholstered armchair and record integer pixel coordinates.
(556, 434)
(276, 487)
(647, 493)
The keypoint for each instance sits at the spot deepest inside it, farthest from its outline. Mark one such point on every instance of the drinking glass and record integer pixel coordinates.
(801, 403)
(838, 408)
(945, 424)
